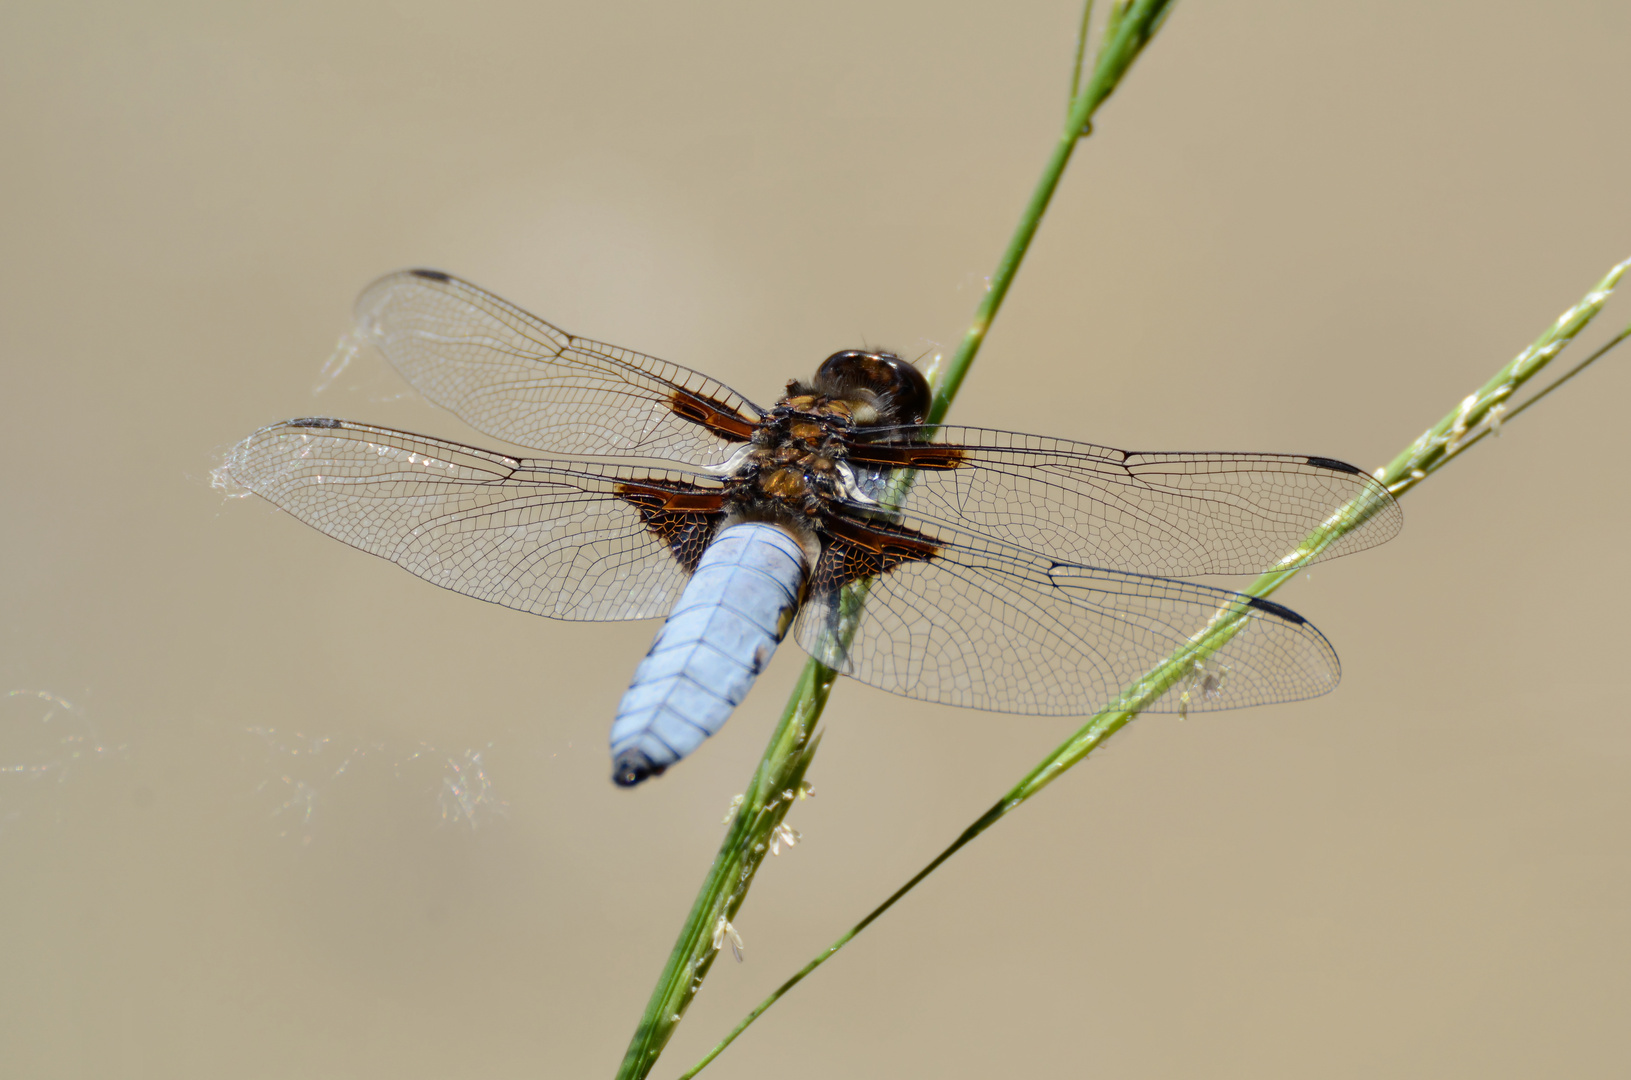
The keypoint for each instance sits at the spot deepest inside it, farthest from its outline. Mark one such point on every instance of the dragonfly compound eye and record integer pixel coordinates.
(883, 380)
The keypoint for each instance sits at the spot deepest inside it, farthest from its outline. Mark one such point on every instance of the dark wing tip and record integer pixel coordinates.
(632, 766)
(433, 275)
(314, 421)
(1278, 610)
(1336, 466)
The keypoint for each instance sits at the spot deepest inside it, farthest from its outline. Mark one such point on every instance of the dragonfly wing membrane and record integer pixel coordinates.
(514, 376)
(566, 540)
(990, 626)
(1165, 514)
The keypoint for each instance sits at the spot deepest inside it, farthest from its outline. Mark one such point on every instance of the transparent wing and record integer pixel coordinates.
(1167, 514)
(566, 540)
(522, 380)
(964, 621)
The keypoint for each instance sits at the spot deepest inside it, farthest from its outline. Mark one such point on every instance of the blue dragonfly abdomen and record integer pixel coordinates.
(734, 612)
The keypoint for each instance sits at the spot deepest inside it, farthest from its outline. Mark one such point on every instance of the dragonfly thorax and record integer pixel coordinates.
(795, 474)
(794, 468)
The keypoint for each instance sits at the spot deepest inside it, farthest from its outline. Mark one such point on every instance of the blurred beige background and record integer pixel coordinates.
(298, 814)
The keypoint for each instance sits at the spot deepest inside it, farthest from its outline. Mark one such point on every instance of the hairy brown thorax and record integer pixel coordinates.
(800, 468)
(796, 470)
(792, 471)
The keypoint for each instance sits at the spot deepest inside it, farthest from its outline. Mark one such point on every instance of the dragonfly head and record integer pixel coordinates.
(895, 390)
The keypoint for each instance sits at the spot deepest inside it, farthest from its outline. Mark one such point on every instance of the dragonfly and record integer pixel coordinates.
(965, 566)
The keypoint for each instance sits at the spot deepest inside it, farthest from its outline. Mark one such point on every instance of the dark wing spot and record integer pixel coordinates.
(315, 421)
(1336, 466)
(1278, 610)
(433, 275)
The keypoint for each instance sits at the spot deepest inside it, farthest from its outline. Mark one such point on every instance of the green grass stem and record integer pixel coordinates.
(1479, 414)
(1130, 25)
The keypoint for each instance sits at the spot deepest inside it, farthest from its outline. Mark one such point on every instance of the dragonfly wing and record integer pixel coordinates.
(564, 539)
(517, 378)
(1166, 514)
(961, 620)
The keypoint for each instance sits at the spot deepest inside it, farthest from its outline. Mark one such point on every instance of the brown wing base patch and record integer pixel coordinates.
(681, 516)
(923, 456)
(718, 418)
(855, 550)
